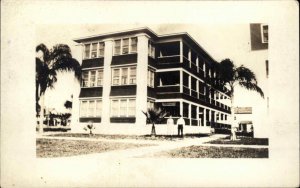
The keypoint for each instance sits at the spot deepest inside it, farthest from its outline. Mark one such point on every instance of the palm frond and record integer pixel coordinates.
(154, 115)
(44, 49)
(252, 87)
(226, 69)
(245, 75)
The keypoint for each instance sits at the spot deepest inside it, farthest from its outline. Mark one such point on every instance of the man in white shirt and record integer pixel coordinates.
(180, 124)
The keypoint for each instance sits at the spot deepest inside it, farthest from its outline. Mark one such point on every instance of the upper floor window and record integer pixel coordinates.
(134, 44)
(264, 33)
(101, 49)
(151, 49)
(150, 78)
(92, 78)
(124, 76)
(87, 51)
(125, 46)
(94, 50)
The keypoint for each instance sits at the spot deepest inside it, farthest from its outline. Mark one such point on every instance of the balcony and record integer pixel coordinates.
(169, 59)
(168, 89)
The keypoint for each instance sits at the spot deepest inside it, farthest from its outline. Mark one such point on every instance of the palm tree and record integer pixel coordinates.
(231, 76)
(154, 115)
(48, 62)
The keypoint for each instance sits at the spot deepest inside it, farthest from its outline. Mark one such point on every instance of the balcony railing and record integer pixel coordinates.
(168, 89)
(169, 59)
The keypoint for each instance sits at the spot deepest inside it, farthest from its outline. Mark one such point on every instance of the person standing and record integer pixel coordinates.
(170, 125)
(180, 124)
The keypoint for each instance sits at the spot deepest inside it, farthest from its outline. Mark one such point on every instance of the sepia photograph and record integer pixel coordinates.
(149, 94)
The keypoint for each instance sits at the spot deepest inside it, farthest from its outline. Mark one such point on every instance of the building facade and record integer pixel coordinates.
(128, 72)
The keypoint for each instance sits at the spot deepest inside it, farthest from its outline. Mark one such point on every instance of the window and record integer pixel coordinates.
(124, 76)
(264, 33)
(94, 50)
(91, 108)
(131, 107)
(134, 44)
(124, 80)
(125, 47)
(86, 51)
(150, 78)
(98, 108)
(115, 108)
(151, 49)
(116, 76)
(267, 68)
(123, 107)
(117, 47)
(100, 77)
(132, 73)
(92, 78)
(101, 49)
(83, 108)
(85, 79)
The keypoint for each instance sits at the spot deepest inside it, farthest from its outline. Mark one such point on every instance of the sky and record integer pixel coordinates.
(219, 40)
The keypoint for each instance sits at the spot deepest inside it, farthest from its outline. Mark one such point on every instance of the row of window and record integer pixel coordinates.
(120, 76)
(124, 76)
(94, 50)
(121, 46)
(125, 46)
(90, 108)
(92, 78)
(123, 108)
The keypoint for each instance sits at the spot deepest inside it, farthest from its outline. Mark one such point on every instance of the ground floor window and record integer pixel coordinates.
(91, 108)
(122, 107)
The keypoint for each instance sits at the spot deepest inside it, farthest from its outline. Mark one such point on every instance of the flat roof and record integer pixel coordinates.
(149, 32)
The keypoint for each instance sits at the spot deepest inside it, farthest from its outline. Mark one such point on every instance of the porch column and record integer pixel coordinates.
(141, 79)
(181, 108)
(181, 81)
(190, 85)
(204, 116)
(181, 51)
(190, 113)
(108, 52)
(197, 117)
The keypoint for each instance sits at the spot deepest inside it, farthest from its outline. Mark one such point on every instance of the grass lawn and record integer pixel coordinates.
(242, 141)
(47, 148)
(214, 152)
(135, 137)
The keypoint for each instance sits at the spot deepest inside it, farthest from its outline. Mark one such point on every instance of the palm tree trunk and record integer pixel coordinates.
(233, 133)
(41, 114)
(153, 132)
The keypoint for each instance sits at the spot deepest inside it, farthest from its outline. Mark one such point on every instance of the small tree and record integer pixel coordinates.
(90, 126)
(154, 116)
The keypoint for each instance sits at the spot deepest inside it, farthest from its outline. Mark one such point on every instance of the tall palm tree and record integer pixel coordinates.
(48, 62)
(154, 115)
(231, 76)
